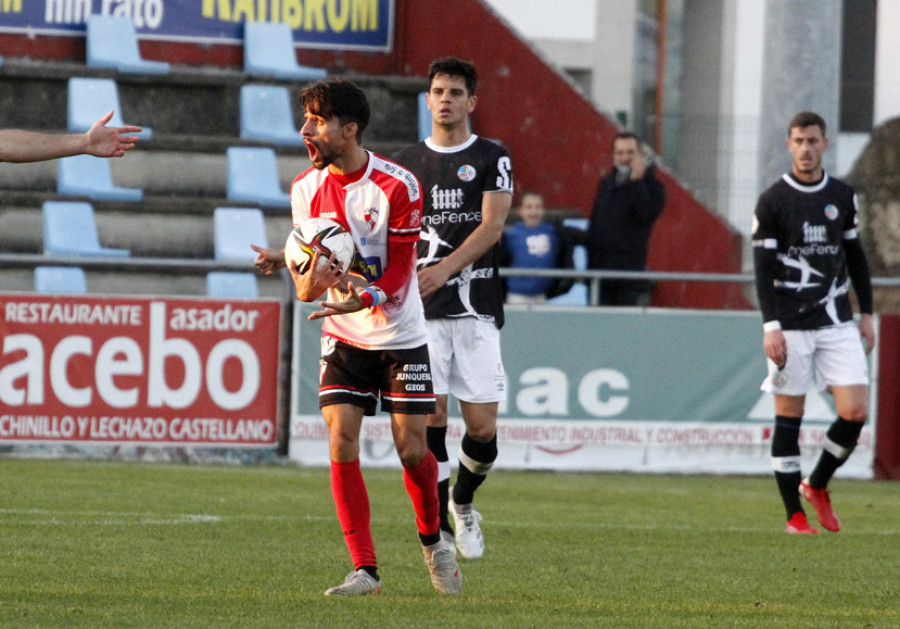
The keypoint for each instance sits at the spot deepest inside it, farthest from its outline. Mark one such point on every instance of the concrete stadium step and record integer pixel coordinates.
(177, 227)
(160, 172)
(191, 101)
(117, 282)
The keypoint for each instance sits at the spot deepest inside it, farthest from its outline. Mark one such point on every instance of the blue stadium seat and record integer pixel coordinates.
(424, 118)
(234, 228)
(269, 50)
(266, 115)
(253, 177)
(59, 279)
(90, 100)
(578, 295)
(112, 43)
(69, 230)
(86, 175)
(228, 284)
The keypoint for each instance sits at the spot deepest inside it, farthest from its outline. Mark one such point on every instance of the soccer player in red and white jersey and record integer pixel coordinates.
(374, 339)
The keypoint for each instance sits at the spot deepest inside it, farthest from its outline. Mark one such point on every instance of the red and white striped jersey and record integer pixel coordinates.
(376, 205)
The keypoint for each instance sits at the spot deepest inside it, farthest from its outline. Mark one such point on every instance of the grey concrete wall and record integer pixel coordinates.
(801, 73)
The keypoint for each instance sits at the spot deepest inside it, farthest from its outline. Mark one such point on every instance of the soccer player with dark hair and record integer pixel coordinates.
(807, 254)
(468, 186)
(374, 336)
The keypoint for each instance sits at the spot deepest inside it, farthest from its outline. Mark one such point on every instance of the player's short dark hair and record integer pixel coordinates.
(337, 98)
(530, 193)
(451, 66)
(807, 119)
(625, 135)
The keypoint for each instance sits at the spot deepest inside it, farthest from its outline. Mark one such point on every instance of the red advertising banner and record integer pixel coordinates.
(138, 370)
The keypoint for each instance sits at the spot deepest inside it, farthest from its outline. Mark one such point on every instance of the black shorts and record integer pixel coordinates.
(350, 375)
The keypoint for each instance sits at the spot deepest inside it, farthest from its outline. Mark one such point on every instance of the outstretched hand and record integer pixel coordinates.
(351, 303)
(103, 141)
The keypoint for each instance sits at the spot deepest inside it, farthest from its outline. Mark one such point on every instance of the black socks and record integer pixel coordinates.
(786, 461)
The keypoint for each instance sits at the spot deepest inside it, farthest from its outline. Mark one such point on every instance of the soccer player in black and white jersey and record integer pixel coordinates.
(807, 254)
(468, 187)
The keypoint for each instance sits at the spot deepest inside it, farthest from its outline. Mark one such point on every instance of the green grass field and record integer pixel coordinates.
(93, 544)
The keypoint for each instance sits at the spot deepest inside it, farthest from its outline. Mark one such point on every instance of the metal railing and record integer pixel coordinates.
(190, 266)
(594, 277)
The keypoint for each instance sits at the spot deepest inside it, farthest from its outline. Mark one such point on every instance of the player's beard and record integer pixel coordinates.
(322, 157)
(808, 164)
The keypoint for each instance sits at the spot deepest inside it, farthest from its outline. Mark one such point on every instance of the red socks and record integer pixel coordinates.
(351, 501)
(421, 485)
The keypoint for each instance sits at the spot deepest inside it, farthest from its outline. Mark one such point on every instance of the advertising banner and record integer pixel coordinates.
(136, 370)
(612, 389)
(336, 24)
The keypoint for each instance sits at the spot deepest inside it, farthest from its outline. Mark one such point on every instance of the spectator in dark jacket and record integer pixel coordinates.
(628, 202)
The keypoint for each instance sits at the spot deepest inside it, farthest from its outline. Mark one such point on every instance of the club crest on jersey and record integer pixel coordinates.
(415, 218)
(370, 215)
(831, 212)
(466, 172)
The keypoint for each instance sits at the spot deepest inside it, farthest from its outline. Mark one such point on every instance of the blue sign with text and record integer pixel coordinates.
(334, 24)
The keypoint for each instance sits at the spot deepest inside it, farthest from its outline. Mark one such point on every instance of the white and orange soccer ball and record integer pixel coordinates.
(319, 235)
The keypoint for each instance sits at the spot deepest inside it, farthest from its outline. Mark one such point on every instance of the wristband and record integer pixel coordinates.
(771, 326)
(372, 296)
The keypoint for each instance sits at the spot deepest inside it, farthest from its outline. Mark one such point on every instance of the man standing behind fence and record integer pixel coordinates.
(628, 202)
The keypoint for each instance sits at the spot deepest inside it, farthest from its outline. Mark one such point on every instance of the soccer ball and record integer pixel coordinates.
(322, 235)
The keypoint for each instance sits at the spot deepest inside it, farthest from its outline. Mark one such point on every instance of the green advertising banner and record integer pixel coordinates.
(610, 389)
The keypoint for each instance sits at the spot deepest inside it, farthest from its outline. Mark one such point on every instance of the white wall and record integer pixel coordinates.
(887, 52)
(596, 36)
(743, 185)
(539, 19)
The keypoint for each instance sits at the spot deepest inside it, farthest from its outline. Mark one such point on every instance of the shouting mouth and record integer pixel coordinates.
(312, 149)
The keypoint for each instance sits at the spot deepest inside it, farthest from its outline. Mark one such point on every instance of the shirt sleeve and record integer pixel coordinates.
(404, 228)
(500, 175)
(765, 258)
(858, 270)
(401, 262)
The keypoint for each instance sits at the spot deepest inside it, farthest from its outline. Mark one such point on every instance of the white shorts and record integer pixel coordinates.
(465, 359)
(835, 355)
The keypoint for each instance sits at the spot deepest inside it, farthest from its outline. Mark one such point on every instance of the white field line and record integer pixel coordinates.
(123, 518)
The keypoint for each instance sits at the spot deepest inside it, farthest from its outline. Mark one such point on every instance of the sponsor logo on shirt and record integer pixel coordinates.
(446, 199)
(466, 172)
(814, 233)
